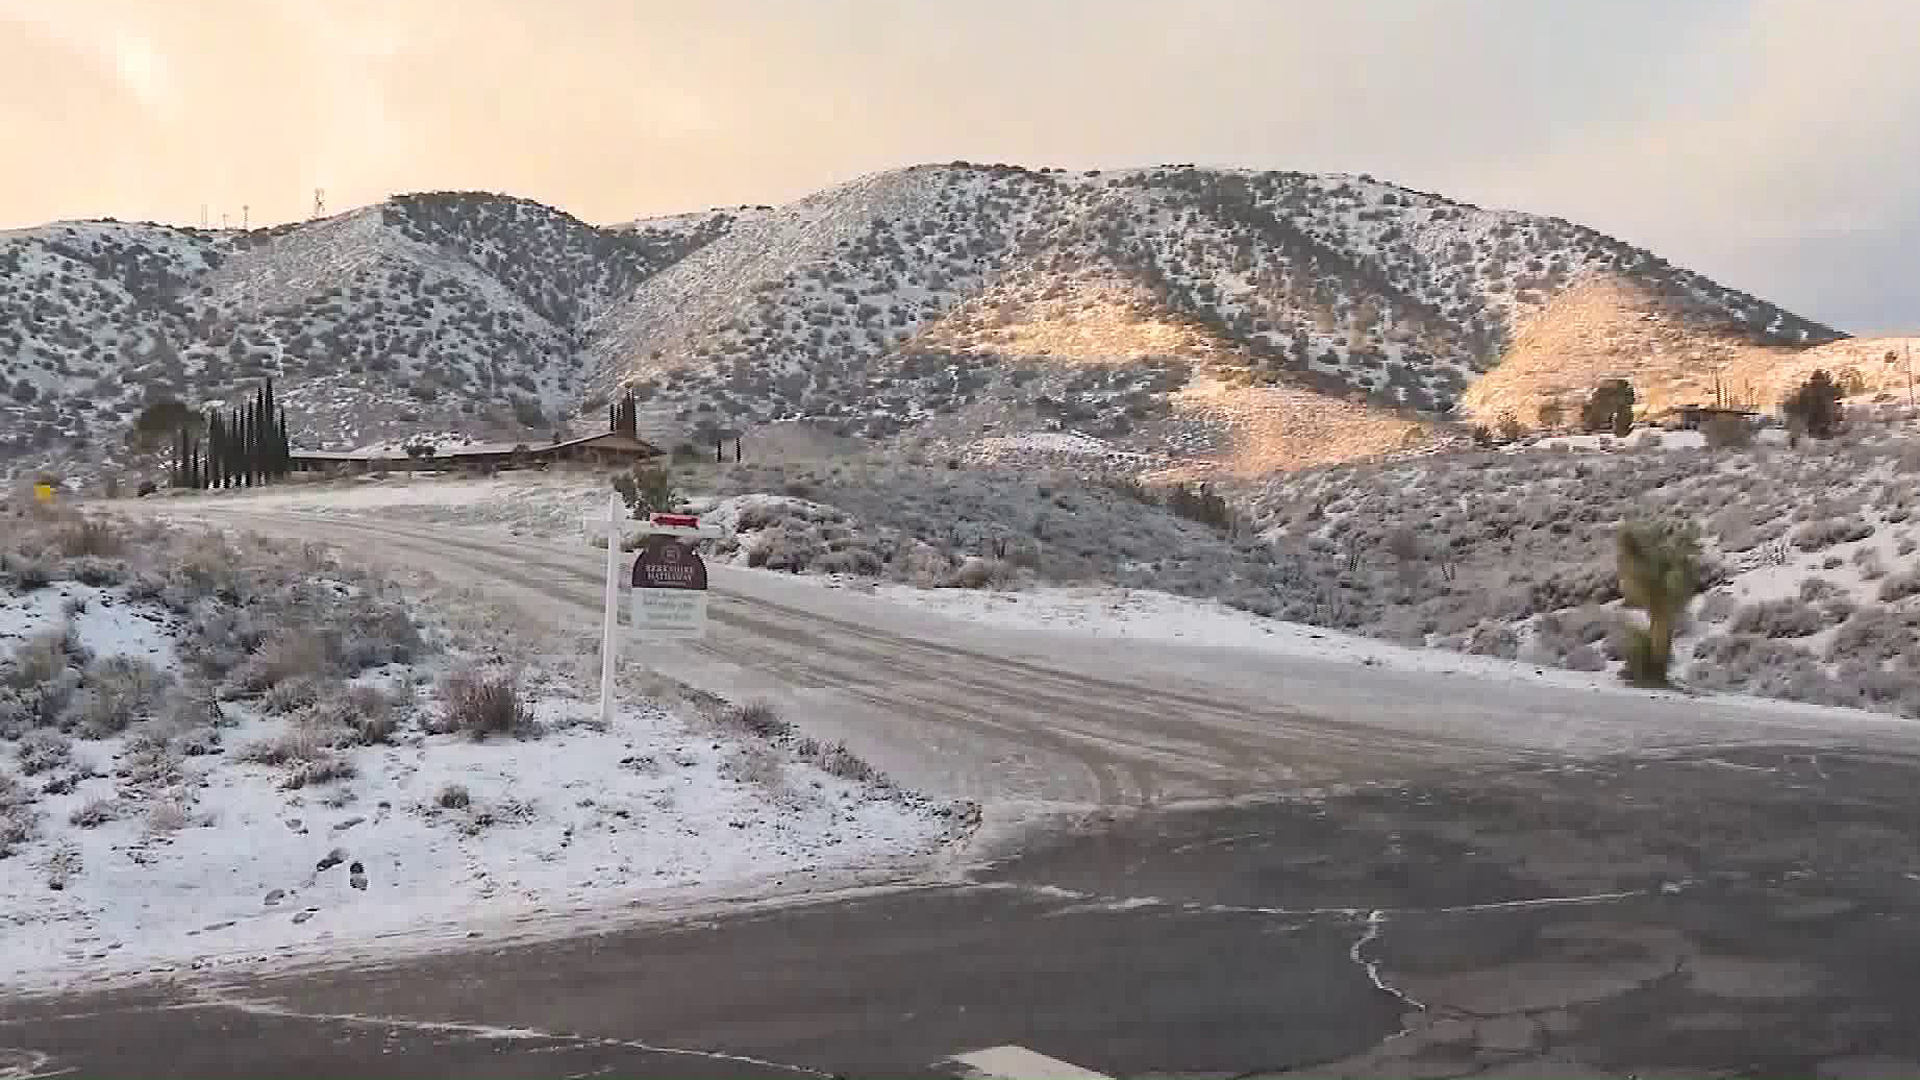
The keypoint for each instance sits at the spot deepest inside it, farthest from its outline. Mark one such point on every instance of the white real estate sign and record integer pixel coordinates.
(669, 584)
(669, 614)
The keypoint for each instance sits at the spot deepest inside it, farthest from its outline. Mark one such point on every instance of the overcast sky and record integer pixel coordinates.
(1772, 144)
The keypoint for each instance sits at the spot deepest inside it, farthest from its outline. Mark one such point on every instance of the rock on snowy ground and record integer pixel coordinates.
(211, 748)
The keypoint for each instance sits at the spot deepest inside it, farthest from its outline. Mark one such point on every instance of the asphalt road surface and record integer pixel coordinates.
(1751, 912)
(1446, 879)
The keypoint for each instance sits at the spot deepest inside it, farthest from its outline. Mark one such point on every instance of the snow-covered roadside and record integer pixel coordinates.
(536, 504)
(157, 847)
(1145, 615)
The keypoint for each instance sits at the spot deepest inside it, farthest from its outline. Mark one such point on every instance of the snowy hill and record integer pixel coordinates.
(966, 301)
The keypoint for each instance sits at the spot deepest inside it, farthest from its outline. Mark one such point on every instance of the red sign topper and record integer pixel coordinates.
(677, 521)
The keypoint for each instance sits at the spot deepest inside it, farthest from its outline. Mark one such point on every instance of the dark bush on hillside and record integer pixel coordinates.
(1820, 535)
(1784, 618)
(1200, 504)
(1728, 433)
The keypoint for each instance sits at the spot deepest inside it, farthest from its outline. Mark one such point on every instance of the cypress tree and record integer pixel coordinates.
(229, 449)
(262, 460)
(216, 446)
(270, 434)
(286, 448)
(180, 457)
(251, 459)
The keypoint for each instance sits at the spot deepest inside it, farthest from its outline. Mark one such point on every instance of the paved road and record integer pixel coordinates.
(1747, 912)
(971, 711)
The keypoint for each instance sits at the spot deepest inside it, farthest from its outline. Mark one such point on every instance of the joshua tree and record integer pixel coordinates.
(1657, 575)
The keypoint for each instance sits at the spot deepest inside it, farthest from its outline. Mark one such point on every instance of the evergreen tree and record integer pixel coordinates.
(286, 447)
(250, 459)
(216, 448)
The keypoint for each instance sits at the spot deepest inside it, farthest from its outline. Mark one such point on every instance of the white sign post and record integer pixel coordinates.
(676, 612)
(612, 525)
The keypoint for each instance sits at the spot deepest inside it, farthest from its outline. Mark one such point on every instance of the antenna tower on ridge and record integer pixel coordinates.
(243, 216)
(319, 202)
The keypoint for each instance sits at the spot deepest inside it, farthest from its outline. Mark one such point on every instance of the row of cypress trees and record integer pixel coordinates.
(624, 418)
(239, 448)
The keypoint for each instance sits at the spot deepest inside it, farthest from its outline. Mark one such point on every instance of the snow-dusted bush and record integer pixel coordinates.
(43, 751)
(18, 818)
(1873, 634)
(1584, 658)
(364, 712)
(978, 573)
(1757, 665)
(1872, 567)
(288, 655)
(483, 703)
(1717, 606)
(1823, 534)
(1818, 588)
(1786, 617)
(1899, 586)
(1870, 686)
(1493, 639)
(836, 760)
(94, 813)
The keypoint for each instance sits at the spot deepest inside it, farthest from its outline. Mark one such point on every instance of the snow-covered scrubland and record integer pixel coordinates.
(213, 747)
(1810, 584)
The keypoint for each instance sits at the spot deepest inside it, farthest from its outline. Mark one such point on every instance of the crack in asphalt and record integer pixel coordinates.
(258, 1007)
(1376, 920)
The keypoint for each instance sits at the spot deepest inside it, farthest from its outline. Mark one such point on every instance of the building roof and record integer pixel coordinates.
(612, 439)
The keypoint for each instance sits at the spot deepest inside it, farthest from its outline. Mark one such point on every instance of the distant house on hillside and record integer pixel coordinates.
(606, 449)
(1693, 417)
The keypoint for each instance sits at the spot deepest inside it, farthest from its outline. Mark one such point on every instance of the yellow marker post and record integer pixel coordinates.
(43, 492)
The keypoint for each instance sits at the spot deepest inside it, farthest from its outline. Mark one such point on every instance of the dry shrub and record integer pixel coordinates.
(365, 711)
(292, 695)
(1728, 433)
(287, 655)
(836, 760)
(94, 813)
(118, 691)
(167, 815)
(483, 703)
(757, 718)
(300, 742)
(978, 573)
(320, 770)
(94, 537)
(18, 819)
(41, 658)
(43, 751)
(453, 797)
(147, 765)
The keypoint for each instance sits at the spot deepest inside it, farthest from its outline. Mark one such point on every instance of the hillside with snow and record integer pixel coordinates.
(1172, 311)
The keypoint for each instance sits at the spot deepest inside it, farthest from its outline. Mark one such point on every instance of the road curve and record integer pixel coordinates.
(961, 709)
